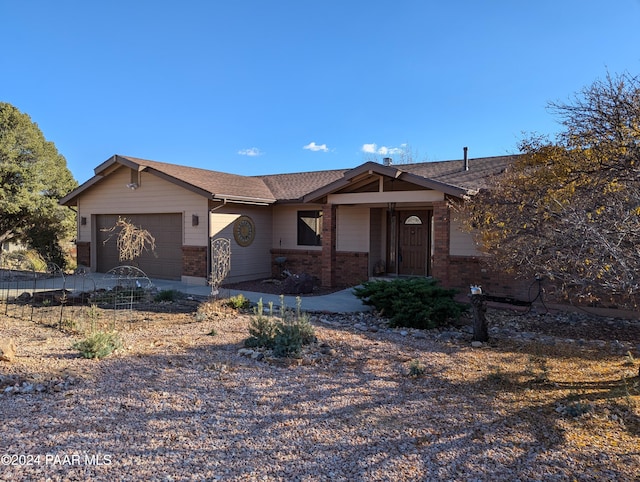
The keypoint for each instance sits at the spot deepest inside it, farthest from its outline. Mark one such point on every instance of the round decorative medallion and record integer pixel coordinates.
(244, 231)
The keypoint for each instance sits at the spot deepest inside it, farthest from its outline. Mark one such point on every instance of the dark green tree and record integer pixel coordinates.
(33, 177)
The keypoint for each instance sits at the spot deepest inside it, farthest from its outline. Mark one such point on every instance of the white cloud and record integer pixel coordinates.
(382, 150)
(251, 152)
(369, 148)
(312, 146)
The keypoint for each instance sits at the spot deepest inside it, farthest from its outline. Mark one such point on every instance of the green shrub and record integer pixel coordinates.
(238, 302)
(416, 369)
(119, 294)
(168, 295)
(262, 331)
(98, 344)
(261, 328)
(307, 333)
(25, 259)
(291, 335)
(200, 316)
(414, 302)
(286, 335)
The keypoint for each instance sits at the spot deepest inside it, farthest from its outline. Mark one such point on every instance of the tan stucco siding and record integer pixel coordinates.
(253, 261)
(154, 195)
(285, 226)
(461, 242)
(352, 226)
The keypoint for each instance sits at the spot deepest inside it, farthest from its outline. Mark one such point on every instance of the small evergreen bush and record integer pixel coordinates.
(168, 295)
(414, 302)
(98, 344)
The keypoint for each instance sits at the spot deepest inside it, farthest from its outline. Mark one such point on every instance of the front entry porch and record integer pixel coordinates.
(400, 241)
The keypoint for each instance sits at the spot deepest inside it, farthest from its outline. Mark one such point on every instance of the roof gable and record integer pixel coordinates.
(207, 183)
(449, 177)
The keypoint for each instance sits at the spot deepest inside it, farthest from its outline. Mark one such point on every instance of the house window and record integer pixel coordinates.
(310, 228)
(413, 220)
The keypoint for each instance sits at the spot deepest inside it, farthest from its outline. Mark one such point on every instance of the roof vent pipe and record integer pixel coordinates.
(387, 161)
(466, 159)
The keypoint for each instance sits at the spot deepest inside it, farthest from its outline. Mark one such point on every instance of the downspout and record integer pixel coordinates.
(224, 203)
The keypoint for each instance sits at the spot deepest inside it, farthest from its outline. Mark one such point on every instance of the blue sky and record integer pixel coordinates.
(258, 87)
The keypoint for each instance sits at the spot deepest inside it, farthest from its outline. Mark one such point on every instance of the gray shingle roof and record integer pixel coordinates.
(294, 186)
(452, 172)
(219, 184)
(291, 187)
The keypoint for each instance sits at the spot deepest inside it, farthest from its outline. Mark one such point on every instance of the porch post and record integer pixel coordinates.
(328, 245)
(441, 235)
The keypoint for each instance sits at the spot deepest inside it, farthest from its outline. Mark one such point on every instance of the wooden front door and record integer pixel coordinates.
(413, 242)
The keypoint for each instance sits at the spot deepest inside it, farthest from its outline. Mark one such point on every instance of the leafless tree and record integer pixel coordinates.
(132, 240)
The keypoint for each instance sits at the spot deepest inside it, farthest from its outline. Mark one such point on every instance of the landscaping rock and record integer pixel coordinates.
(298, 284)
(24, 297)
(7, 350)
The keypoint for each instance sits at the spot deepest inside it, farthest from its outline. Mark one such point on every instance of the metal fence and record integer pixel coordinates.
(78, 302)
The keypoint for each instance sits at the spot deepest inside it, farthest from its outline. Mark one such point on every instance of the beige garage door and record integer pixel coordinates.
(164, 263)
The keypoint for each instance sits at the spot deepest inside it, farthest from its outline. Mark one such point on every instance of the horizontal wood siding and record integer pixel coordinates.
(461, 242)
(253, 261)
(353, 228)
(154, 195)
(285, 226)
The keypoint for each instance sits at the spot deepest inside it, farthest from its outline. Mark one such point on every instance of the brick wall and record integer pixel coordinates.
(441, 234)
(328, 245)
(298, 261)
(351, 268)
(462, 271)
(83, 249)
(194, 261)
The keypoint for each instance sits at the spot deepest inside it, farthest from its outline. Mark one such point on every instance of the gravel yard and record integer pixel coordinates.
(179, 402)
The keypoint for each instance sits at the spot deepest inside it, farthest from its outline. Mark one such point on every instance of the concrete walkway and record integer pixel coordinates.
(339, 302)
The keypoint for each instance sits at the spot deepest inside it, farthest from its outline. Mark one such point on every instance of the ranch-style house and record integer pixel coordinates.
(342, 226)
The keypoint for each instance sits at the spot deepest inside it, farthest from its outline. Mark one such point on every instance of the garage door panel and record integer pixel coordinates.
(165, 262)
